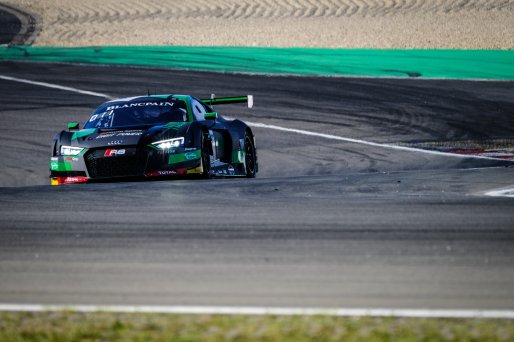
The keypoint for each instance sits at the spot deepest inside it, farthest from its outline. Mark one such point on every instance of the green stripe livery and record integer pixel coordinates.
(60, 166)
(83, 133)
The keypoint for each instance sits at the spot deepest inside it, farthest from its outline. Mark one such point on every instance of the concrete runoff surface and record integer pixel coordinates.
(326, 223)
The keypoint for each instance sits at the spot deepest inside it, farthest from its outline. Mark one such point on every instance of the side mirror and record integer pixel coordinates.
(73, 126)
(211, 116)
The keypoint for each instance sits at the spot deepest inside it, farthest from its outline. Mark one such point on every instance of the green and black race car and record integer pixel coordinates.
(155, 136)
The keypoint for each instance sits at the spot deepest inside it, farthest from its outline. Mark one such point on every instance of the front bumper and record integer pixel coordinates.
(104, 163)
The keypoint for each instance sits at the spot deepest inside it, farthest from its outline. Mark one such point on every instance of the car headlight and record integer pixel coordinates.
(170, 143)
(70, 150)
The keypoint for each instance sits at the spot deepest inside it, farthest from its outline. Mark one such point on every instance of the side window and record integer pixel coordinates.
(198, 110)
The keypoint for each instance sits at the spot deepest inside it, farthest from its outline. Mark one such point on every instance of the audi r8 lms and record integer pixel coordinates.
(155, 136)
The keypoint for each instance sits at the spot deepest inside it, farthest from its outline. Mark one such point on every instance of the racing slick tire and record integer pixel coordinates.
(206, 156)
(250, 157)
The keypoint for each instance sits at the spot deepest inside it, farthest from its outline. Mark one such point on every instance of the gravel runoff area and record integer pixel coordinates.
(466, 24)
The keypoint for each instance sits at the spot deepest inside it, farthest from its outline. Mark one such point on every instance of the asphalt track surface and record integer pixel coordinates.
(17, 27)
(326, 223)
(10, 25)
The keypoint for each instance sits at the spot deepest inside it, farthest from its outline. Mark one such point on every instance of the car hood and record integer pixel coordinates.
(91, 138)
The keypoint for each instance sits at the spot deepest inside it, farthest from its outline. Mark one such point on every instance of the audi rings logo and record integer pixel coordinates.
(115, 142)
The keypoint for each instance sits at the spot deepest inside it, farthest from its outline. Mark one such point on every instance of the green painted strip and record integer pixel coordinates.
(460, 64)
(175, 125)
(238, 156)
(60, 166)
(83, 133)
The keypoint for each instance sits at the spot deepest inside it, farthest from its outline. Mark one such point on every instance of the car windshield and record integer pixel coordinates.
(138, 113)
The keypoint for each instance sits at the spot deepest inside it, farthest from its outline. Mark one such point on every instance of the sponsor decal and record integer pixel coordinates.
(54, 159)
(182, 157)
(95, 117)
(167, 172)
(78, 179)
(191, 156)
(141, 104)
(106, 135)
(128, 134)
(231, 170)
(54, 166)
(71, 159)
(119, 134)
(115, 142)
(114, 153)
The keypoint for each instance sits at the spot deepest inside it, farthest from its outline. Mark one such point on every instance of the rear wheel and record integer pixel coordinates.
(250, 157)
(206, 156)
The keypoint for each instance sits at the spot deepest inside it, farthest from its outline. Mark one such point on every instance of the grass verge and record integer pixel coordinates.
(74, 326)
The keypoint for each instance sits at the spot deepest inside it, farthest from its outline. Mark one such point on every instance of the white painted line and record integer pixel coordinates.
(501, 193)
(249, 310)
(369, 143)
(278, 128)
(54, 86)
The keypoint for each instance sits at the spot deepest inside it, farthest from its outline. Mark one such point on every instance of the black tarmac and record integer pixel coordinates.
(325, 223)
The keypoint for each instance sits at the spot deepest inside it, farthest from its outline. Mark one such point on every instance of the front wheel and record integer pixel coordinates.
(250, 157)
(206, 156)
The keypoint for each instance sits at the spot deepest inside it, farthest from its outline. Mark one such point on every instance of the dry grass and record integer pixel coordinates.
(68, 326)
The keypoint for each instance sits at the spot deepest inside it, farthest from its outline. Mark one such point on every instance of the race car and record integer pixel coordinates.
(155, 136)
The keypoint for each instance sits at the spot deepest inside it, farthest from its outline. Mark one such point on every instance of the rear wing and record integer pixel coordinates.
(229, 100)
